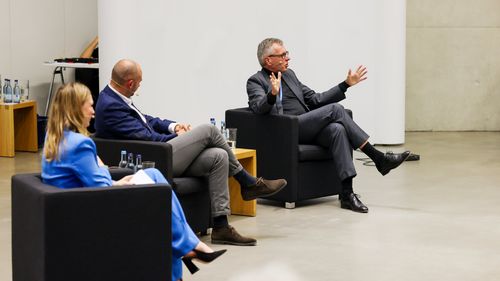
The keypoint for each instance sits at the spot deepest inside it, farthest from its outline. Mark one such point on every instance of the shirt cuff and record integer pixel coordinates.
(343, 86)
(171, 127)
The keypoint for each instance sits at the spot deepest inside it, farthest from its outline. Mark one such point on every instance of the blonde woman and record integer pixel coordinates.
(70, 161)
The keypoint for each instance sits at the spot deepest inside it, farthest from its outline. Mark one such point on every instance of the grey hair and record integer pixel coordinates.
(265, 48)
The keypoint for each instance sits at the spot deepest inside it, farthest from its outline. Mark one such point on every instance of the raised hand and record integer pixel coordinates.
(359, 75)
(275, 83)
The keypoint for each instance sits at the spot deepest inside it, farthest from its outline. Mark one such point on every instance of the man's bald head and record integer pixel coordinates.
(126, 77)
(125, 70)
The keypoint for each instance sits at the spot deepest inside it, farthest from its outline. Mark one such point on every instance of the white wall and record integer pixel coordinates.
(34, 31)
(197, 55)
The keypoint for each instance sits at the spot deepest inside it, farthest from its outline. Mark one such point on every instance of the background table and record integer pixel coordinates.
(18, 128)
(248, 159)
(58, 69)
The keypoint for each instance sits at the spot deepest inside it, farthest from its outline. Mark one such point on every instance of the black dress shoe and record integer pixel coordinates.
(353, 203)
(391, 161)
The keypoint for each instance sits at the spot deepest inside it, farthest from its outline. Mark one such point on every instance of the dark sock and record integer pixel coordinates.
(373, 153)
(244, 178)
(347, 187)
(220, 221)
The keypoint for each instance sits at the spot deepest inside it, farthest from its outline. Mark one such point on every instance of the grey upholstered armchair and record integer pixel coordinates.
(192, 192)
(309, 169)
(80, 234)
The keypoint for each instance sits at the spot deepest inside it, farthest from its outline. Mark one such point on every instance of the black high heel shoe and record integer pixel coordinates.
(202, 256)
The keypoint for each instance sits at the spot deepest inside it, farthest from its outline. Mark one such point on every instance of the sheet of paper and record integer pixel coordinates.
(141, 178)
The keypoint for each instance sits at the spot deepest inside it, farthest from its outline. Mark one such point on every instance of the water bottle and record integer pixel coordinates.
(138, 162)
(25, 91)
(17, 92)
(123, 159)
(130, 162)
(212, 121)
(1, 90)
(7, 91)
(223, 130)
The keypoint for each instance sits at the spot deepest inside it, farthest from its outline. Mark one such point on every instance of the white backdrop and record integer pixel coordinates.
(197, 55)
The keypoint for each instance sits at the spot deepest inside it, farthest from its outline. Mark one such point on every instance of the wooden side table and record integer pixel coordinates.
(18, 128)
(248, 159)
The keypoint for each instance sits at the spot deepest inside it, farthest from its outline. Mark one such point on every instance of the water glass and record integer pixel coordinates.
(231, 137)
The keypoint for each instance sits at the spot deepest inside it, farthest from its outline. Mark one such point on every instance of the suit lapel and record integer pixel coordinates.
(292, 83)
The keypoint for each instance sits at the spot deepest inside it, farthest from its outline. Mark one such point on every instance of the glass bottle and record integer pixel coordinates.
(16, 98)
(123, 159)
(223, 130)
(7, 91)
(130, 161)
(138, 162)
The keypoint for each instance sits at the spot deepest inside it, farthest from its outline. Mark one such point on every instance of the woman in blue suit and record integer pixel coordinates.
(70, 160)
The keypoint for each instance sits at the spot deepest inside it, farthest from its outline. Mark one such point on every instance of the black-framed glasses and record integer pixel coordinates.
(283, 56)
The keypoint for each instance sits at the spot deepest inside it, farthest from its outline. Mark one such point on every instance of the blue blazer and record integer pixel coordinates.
(77, 164)
(114, 119)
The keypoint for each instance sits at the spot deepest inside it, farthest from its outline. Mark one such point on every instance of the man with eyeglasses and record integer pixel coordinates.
(275, 89)
(200, 151)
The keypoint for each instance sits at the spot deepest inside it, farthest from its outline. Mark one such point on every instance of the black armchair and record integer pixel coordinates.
(192, 192)
(113, 233)
(309, 169)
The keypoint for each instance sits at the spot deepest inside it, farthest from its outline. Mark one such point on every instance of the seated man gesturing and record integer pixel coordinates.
(275, 89)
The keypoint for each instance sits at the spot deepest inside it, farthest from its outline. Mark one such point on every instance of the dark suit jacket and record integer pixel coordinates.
(114, 119)
(259, 87)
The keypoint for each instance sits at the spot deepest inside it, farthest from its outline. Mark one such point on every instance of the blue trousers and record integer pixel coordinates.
(183, 238)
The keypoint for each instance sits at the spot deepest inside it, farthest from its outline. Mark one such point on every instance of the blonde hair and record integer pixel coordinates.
(65, 114)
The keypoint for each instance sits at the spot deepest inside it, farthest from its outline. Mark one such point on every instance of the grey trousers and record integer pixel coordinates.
(203, 152)
(331, 127)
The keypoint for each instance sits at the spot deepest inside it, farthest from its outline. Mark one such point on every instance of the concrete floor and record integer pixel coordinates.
(435, 219)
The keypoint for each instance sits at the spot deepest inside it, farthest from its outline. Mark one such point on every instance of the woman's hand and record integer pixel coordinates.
(124, 181)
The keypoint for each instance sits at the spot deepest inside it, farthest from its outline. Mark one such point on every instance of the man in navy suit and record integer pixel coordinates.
(199, 151)
(275, 89)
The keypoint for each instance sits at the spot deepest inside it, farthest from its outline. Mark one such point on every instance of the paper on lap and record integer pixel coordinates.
(141, 178)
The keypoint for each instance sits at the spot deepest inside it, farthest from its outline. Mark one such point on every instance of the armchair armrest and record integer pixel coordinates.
(159, 152)
(118, 173)
(275, 137)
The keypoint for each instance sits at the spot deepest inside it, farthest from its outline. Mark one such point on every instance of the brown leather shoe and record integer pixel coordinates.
(262, 188)
(228, 235)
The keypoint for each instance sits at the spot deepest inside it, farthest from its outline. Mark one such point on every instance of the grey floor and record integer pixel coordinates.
(435, 219)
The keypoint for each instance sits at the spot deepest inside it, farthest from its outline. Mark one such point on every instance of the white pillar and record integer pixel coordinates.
(197, 55)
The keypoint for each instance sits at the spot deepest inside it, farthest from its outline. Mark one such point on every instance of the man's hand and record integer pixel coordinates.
(354, 78)
(182, 128)
(275, 83)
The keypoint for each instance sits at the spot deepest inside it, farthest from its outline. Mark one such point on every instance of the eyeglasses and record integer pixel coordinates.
(283, 56)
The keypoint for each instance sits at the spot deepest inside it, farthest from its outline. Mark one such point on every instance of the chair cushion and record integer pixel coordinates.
(189, 185)
(311, 152)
